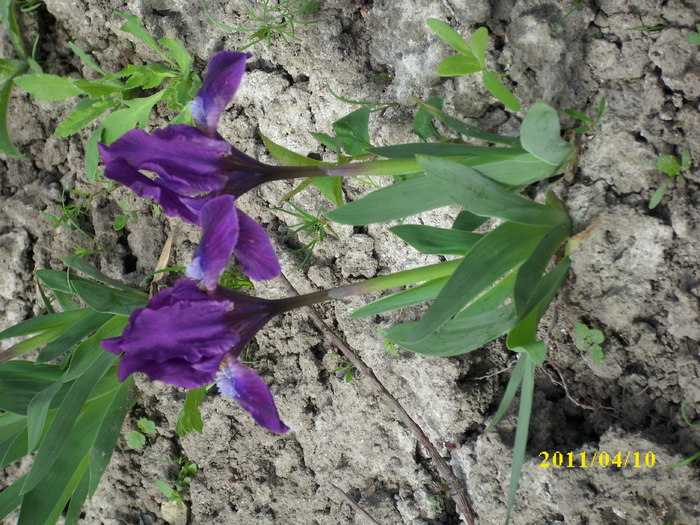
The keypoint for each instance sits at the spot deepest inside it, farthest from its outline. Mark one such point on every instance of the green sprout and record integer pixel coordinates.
(694, 36)
(671, 166)
(589, 340)
(272, 21)
(137, 438)
(346, 368)
(188, 470)
(691, 425)
(314, 227)
(588, 122)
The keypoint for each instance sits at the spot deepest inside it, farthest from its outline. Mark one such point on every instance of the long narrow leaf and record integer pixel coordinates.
(44, 322)
(432, 240)
(416, 295)
(72, 336)
(511, 389)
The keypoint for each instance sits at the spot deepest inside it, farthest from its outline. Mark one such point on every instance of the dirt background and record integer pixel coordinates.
(636, 276)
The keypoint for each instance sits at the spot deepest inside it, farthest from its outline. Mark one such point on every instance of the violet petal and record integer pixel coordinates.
(254, 250)
(245, 386)
(221, 82)
(219, 222)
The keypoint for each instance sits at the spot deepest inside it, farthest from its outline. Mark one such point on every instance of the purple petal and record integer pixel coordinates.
(188, 161)
(219, 222)
(174, 204)
(224, 75)
(180, 337)
(254, 250)
(245, 386)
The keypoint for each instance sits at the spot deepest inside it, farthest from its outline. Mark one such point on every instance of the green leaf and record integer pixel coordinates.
(135, 27)
(332, 143)
(418, 294)
(499, 91)
(179, 54)
(9, 69)
(448, 35)
(537, 351)
(38, 410)
(67, 414)
(423, 122)
(165, 488)
(464, 128)
(393, 202)
(89, 61)
(85, 111)
(190, 418)
(478, 43)
(101, 88)
(458, 336)
(485, 197)
(669, 165)
(353, 133)
(119, 222)
(11, 497)
(693, 37)
(467, 221)
(496, 253)
(145, 76)
(77, 499)
(521, 432)
(72, 335)
(107, 300)
(457, 65)
(147, 426)
(44, 322)
(92, 153)
(119, 122)
(14, 33)
(86, 352)
(78, 263)
(659, 194)
(48, 87)
(540, 135)
(530, 273)
(446, 149)
(512, 389)
(135, 439)
(438, 241)
(597, 354)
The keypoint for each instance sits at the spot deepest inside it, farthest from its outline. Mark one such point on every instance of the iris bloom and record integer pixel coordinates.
(191, 335)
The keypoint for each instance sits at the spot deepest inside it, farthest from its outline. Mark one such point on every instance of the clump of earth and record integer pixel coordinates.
(635, 274)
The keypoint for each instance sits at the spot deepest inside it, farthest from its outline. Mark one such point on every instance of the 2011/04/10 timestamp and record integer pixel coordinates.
(600, 459)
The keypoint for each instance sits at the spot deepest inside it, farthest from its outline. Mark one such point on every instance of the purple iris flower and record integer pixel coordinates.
(194, 165)
(191, 335)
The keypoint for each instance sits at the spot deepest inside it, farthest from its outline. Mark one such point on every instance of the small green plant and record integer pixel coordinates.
(119, 95)
(588, 122)
(269, 21)
(671, 166)
(589, 340)
(691, 425)
(121, 220)
(694, 36)
(137, 438)
(345, 368)
(471, 58)
(577, 4)
(314, 227)
(188, 470)
(234, 281)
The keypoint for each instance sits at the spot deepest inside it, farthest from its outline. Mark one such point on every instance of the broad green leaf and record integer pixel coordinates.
(521, 432)
(9, 69)
(55, 441)
(145, 76)
(467, 221)
(499, 91)
(464, 128)
(85, 111)
(514, 171)
(448, 35)
(86, 352)
(32, 343)
(37, 411)
(540, 134)
(80, 264)
(135, 439)
(496, 253)
(330, 187)
(491, 299)
(107, 300)
(21, 381)
(537, 351)
(179, 54)
(478, 43)
(352, 131)
(418, 294)
(525, 332)
(44, 322)
(101, 88)
(89, 61)
(513, 384)
(332, 143)
(423, 121)
(456, 65)
(11, 497)
(693, 37)
(119, 122)
(438, 241)
(75, 506)
(72, 336)
(446, 149)
(669, 165)
(14, 445)
(135, 27)
(393, 202)
(190, 418)
(48, 87)
(458, 336)
(530, 273)
(485, 197)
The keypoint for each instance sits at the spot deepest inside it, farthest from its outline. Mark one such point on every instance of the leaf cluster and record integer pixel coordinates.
(588, 122)
(470, 59)
(123, 96)
(671, 166)
(589, 340)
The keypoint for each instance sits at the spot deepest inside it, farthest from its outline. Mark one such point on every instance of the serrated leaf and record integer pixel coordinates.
(147, 426)
(457, 65)
(89, 61)
(179, 54)
(478, 43)
(499, 91)
(448, 35)
(540, 134)
(85, 111)
(48, 87)
(134, 26)
(100, 88)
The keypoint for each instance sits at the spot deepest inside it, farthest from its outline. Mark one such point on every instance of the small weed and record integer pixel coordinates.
(671, 166)
(188, 470)
(589, 340)
(694, 36)
(272, 21)
(574, 7)
(436, 502)
(121, 220)
(314, 227)
(691, 425)
(588, 122)
(346, 368)
(234, 281)
(136, 439)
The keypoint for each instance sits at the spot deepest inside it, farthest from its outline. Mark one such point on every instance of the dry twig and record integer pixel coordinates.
(355, 506)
